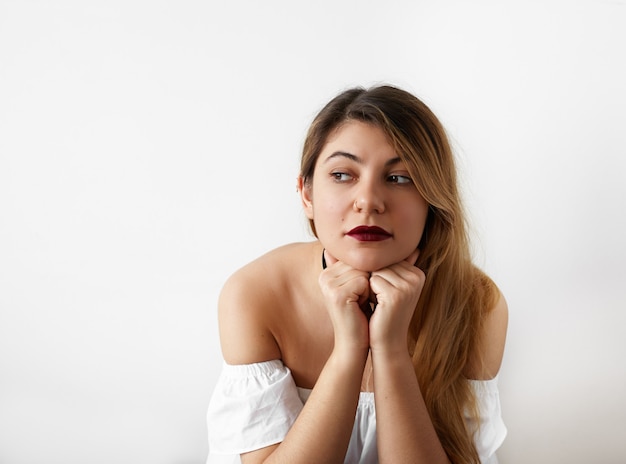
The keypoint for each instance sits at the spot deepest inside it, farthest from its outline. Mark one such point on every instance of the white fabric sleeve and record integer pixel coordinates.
(490, 431)
(252, 406)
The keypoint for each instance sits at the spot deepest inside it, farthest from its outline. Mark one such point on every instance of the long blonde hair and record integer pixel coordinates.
(446, 326)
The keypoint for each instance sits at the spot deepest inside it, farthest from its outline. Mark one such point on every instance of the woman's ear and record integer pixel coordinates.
(304, 189)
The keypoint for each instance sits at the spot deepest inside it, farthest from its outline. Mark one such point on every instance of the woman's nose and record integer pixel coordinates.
(369, 199)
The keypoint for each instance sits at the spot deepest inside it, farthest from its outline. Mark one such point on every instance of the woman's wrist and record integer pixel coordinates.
(349, 355)
(391, 348)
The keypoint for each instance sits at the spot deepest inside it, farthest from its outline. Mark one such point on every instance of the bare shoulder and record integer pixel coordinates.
(492, 342)
(249, 305)
(495, 328)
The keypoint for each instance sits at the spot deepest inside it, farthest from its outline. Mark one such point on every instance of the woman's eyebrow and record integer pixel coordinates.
(356, 159)
(344, 154)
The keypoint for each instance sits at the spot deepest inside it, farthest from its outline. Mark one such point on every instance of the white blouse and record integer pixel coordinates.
(255, 405)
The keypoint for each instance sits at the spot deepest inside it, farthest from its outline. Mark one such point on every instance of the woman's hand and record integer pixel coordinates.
(346, 290)
(397, 289)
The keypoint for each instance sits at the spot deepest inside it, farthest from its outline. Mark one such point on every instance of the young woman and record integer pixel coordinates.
(380, 341)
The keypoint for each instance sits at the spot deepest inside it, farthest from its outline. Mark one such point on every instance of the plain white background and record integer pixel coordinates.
(150, 148)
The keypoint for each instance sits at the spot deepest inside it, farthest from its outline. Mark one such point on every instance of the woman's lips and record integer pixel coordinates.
(369, 234)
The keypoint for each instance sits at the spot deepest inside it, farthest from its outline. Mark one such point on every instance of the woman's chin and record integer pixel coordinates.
(368, 264)
(365, 260)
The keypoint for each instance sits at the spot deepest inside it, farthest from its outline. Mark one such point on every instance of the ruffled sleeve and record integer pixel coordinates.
(490, 431)
(252, 406)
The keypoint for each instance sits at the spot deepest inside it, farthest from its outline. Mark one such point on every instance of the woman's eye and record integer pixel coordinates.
(398, 179)
(341, 176)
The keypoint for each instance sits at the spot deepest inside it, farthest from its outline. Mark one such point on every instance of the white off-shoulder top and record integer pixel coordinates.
(255, 405)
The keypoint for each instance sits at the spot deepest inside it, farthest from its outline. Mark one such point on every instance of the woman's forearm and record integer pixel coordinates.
(405, 433)
(323, 429)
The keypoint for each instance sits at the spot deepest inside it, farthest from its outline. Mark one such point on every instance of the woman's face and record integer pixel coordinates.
(367, 211)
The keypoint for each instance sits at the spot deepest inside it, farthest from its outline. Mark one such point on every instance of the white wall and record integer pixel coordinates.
(150, 148)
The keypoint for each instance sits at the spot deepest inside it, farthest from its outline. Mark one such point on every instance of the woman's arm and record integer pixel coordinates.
(486, 361)
(405, 433)
(322, 431)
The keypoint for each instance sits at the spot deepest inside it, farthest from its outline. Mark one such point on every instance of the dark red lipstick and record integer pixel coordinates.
(369, 234)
